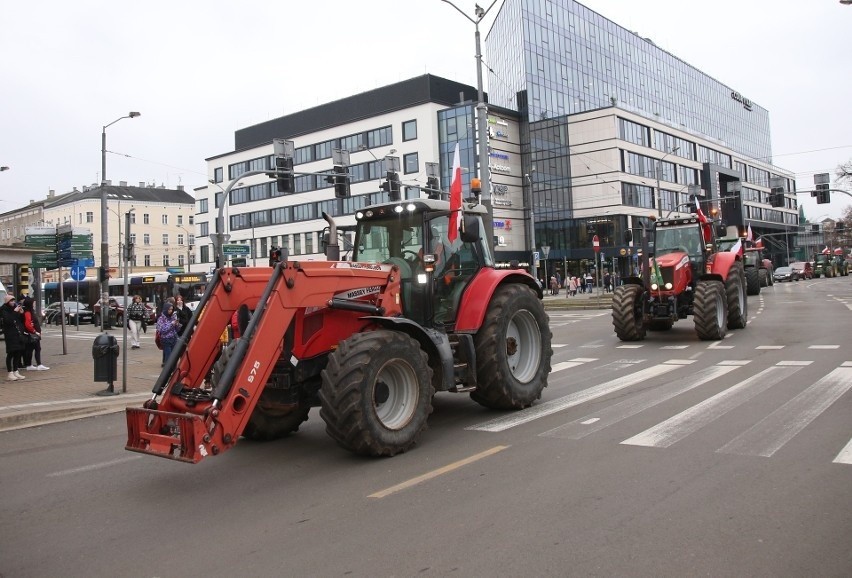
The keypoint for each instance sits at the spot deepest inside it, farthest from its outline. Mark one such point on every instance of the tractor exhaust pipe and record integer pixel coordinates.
(332, 248)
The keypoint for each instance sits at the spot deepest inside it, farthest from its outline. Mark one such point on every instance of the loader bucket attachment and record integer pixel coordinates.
(180, 435)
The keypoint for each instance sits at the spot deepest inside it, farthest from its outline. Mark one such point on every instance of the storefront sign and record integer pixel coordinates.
(741, 99)
(500, 168)
(499, 189)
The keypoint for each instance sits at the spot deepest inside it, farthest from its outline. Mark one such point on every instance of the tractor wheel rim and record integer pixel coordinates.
(523, 346)
(395, 393)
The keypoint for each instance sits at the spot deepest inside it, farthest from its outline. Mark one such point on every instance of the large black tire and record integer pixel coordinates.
(269, 420)
(628, 312)
(763, 275)
(709, 310)
(376, 393)
(736, 295)
(752, 276)
(513, 350)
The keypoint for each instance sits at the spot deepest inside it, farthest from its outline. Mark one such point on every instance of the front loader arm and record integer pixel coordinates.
(189, 422)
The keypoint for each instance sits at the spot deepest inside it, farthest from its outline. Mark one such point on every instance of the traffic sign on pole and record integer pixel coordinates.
(596, 244)
(78, 272)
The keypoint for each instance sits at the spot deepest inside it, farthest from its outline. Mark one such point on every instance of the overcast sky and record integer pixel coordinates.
(198, 70)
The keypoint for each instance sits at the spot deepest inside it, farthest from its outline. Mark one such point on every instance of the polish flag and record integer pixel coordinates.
(759, 243)
(738, 246)
(455, 198)
(826, 251)
(705, 224)
(749, 236)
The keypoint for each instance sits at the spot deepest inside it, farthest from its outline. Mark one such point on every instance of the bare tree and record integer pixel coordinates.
(844, 173)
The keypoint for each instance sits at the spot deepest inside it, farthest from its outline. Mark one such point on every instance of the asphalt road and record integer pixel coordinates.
(668, 457)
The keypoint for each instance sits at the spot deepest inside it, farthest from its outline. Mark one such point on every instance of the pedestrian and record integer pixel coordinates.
(183, 313)
(553, 284)
(136, 314)
(589, 283)
(32, 336)
(12, 320)
(572, 287)
(607, 282)
(168, 326)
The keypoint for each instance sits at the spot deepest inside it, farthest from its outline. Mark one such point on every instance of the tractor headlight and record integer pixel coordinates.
(668, 286)
(422, 279)
(654, 286)
(398, 209)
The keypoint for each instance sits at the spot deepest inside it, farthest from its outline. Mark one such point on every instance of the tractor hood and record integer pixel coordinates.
(677, 260)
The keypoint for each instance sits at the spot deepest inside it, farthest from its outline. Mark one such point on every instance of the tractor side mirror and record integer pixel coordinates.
(471, 233)
(721, 230)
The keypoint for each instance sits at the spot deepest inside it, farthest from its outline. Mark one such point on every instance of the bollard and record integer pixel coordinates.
(105, 353)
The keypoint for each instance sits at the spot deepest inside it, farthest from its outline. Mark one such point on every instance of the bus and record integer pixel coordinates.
(154, 288)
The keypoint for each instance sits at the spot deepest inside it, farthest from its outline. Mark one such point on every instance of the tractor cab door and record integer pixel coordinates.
(456, 263)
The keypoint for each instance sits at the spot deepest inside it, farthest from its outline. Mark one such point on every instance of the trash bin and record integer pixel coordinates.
(111, 318)
(105, 353)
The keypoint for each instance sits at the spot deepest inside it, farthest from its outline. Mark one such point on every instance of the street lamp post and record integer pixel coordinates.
(482, 121)
(529, 204)
(124, 256)
(104, 224)
(659, 169)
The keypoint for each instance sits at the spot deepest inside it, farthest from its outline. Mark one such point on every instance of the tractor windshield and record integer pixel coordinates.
(686, 239)
(393, 239)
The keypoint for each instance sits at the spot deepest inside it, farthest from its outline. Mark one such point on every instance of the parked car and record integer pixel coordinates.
(804, 269)
(117, 304)
(74, 313)
(786, 274)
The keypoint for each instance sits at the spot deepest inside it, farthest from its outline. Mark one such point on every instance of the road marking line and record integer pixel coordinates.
(823, 347)
(92, 467)
(569, 364)
(769, 347)
(794, 363)
(632, 406)
(846, 364)
(771, 433)
(630, 346)
(693, 419)
(550, 407)
(735, 362)
(674, 346)
(435, 473)
(845, 455)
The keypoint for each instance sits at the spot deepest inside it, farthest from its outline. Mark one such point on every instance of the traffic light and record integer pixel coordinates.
(286, 182)
(103, 274)
(274, 256)
(433, 187)
(392, 186)
(23, 279)
(776, 197)
(822, 194)
(340, 179)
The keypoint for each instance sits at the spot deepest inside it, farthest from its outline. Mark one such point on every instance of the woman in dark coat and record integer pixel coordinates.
(12, 319)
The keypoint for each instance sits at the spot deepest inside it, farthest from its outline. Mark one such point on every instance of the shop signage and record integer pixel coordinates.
(500, 168)
(499, 189)
(501, 202)
(496, 155)
(741, 99)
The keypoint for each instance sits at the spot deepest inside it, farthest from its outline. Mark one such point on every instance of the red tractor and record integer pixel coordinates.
(686, 276)
(369, 341)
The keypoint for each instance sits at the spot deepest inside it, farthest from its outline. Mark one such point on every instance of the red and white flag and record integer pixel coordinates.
(455, 198)
(838, 251)
(759, 243)
(826, 251)
(749, 236)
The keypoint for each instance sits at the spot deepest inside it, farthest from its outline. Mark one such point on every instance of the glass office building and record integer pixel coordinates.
(551, 60)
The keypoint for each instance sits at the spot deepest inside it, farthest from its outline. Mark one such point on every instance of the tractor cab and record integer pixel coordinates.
(677, 241)
(434, 271)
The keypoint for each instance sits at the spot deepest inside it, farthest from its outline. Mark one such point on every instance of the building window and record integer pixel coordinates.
(90, 217)
(203, 229)
(165, 260)
(411, 163)
(180, 219)
(218, 174)
(202, 206)
(132, 238)
(204, 254)
(165, 238)
(146, 239)
(309, 243)
(147, 260)
(180, 240)
(297, 244)
(146, 219)
(409, 130)
(165, 219)
(180, 260)
(132, 218)
(637, 195)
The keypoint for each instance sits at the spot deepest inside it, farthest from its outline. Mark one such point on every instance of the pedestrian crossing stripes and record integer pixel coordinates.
(551, 407)
(706, 345)
(762, 437)
(687, 422)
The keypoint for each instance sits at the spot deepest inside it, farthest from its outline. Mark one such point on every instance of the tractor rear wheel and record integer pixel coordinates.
(764, 278)
(269, 420)
(709, 310)
(628, 312)
(737, 301)
(513, 350)
(376, 393)
(753, 284)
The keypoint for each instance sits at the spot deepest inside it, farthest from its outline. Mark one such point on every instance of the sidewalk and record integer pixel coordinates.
(68, 389)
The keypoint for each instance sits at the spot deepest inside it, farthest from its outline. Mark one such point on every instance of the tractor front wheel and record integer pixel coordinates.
(513, 350)
(628, 312)
(737, 301)
(709, 310)
(763, 275)
(752, 276)
(377, 393)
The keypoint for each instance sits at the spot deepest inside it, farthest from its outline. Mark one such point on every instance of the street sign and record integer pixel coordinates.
(596, 244)
(545, 249)
(235, 249)
(78, 272)
(44, 261)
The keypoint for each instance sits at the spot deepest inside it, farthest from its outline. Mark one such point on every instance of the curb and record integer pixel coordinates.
(34, 415)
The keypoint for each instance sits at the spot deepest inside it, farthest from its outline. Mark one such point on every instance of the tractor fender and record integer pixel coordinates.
(722, 263)
(477, 296)
(434, 343)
